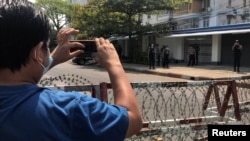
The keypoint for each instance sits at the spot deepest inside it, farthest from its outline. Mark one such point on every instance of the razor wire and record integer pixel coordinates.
(174, 110)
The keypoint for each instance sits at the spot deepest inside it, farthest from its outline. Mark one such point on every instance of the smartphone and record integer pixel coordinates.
(89, 45)
(90, 49)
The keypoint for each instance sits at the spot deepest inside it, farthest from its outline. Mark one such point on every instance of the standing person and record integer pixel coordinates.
(197, 50)
(158, 54)
(165, 58)
(237, 49)
(151, 56)
(191, 53)
(33, 113)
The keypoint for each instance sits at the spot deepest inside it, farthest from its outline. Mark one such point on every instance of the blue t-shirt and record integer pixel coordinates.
(32, 113)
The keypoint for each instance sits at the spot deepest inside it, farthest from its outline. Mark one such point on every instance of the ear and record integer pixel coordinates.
(38, 52)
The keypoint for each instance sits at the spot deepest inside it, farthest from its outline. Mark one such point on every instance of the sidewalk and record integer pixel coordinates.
(200, 72)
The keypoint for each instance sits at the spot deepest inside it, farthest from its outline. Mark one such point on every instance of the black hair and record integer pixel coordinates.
(22, 27)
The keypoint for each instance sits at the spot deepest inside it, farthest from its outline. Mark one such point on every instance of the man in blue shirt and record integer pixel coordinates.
(32, 113)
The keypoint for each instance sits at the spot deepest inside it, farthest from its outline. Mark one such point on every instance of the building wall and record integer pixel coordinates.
(196, 6)
(175, 45)
(213, 13)
(215, 49)
(222, 13)
(217, 13)
(226, 48)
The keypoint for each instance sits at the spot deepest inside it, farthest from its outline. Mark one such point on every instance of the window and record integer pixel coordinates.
(205, 22)
(207, 3)
(195, 23)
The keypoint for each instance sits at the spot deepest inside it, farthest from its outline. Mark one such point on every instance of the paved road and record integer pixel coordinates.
(95, 74)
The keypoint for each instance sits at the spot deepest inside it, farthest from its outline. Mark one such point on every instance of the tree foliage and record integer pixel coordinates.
(94, 20)
(107, 17)
(89, 19)
(134, 8)
(121, 17)
(58, 11)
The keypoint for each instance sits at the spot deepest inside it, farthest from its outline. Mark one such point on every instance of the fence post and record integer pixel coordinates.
(103, 92)
(207, 97)
(235, 101)
(231, 90)
(216, 95)
(93, 91)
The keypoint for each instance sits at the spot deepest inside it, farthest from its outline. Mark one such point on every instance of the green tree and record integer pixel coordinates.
(121, 17)
(94, 20)
(79, 20)
(133, 10)
(59, 12)
(90, 19)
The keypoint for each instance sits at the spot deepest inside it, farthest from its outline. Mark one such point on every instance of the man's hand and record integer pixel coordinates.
(107, 54)
(122, 90)
(62, 52)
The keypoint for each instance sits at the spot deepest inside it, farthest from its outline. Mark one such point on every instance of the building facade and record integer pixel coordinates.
(212, 24)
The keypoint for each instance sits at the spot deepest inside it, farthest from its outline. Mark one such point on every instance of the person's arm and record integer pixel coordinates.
(241, 47)
(123, 92)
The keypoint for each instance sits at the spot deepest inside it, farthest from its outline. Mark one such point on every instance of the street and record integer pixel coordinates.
(94, 74)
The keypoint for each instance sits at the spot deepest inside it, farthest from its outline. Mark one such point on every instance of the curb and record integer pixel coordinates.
(167, 74)
(181, 76)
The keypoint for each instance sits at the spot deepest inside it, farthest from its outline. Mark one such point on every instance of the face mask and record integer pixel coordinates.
(46, 69)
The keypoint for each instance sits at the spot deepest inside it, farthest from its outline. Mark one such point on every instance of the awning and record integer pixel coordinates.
(209, 33)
